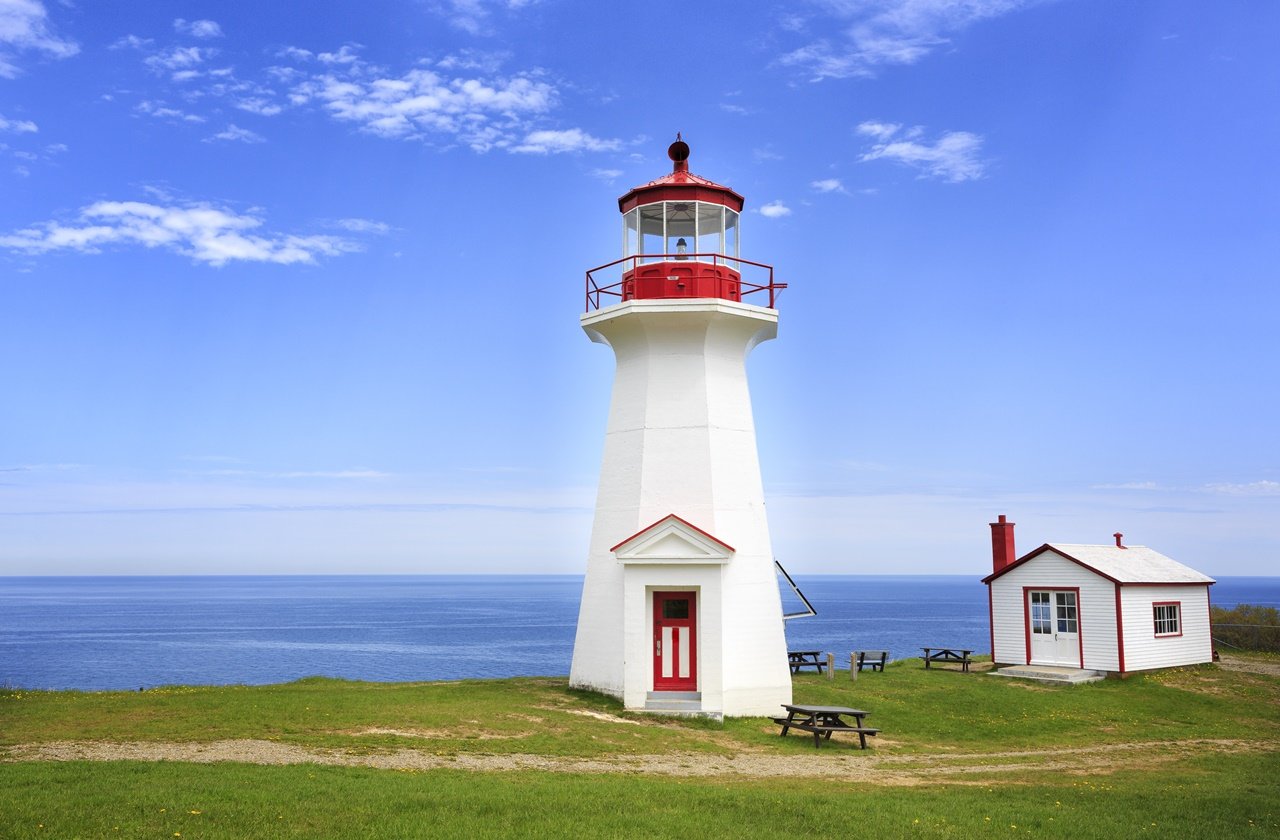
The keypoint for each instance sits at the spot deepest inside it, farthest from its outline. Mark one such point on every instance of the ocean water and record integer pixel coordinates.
(98, 633)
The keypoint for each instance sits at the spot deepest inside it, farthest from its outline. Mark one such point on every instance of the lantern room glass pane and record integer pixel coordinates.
(710, 228)
(631, 234)
(651, 225)
(730, 233)
(681, 225)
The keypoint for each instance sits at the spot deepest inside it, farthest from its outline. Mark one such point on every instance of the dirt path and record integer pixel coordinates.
(832, 762)
(1253, 666)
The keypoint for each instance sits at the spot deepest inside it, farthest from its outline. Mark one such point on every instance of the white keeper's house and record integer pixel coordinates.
(1108, 608)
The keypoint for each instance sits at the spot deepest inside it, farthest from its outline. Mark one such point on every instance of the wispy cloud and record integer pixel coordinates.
(1253, 488)
(461, 98)
(235, 134)
(161, 110)
(1130, 485)
(875, 33)
(952, 157)
(180, 62)
(198, 28)
(775, 210)
(24, 26)
(482, 113)
(570, 140)
(204, 232)
(363, 226)
(341, 474)
(828, 185)
(606, 175)
(473, 16)
(17, 126)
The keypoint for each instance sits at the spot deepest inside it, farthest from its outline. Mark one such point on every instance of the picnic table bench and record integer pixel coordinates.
(873, 659)
(798, 659)
(823, 720)
(942, 654)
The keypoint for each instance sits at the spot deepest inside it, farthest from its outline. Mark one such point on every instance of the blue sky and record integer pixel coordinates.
(293, 288)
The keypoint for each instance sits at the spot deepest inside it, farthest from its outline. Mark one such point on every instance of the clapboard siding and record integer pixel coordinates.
(1051, 570)
(1143, 649)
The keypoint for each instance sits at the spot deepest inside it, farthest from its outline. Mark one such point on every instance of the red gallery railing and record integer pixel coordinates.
(597, 292)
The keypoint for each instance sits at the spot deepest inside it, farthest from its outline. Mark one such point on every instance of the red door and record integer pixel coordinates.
(675, 648)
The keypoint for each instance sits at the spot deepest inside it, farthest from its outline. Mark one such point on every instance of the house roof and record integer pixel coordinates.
(1131, 564)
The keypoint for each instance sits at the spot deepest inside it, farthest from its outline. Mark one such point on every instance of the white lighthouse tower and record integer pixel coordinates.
(680, 607)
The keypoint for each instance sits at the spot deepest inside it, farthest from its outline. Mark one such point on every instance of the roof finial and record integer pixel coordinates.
(679, 154)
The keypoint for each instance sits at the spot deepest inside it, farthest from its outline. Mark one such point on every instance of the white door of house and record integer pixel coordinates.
(1054, 619)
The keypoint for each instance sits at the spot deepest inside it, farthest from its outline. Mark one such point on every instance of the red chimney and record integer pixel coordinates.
(1119, 536)
(1002, 551)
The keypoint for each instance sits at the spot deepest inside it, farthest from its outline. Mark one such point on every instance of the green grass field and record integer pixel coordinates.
(1192, 752)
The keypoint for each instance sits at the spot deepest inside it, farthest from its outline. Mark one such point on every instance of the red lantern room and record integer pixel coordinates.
(680, 240)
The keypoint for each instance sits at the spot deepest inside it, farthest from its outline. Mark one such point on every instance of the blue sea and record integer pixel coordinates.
(98, 633)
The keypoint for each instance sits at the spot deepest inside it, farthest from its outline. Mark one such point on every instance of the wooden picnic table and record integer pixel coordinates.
(798, 659)
(943, 654)
(823, 720)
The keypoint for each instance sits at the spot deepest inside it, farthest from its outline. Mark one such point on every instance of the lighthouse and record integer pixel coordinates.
(681, 610)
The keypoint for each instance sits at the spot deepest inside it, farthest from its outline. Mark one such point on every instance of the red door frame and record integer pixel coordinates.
(678, 627)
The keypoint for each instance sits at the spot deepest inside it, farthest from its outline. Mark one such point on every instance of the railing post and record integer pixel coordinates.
(831, 666)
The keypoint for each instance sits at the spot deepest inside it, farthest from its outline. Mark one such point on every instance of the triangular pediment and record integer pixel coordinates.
(673, 540)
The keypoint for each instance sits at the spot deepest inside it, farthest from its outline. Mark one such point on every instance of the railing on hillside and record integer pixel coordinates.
(1247, 636)
(601, 290)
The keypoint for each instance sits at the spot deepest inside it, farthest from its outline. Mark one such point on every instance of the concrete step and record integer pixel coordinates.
(680, 703)
(1053, 674)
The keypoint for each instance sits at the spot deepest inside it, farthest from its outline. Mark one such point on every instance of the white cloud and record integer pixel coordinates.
(874, 33)
(1255, 488)
(878, 130)
(363, 226)
(201, 231)
(18, 126)
(163, 111)
(482, 113)
(198, 28)
(775, 210)
(236, 134)
(1130, 485)
(24, 26)
(131, 42)
(827, 185)
(953, 157)
(606, 174)
(180, 61)
(258, 105)
(569, 140)
(356, 473)
(296, 54)
(345, 55)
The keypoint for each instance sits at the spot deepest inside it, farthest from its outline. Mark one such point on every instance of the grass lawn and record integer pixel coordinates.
(1191, 752)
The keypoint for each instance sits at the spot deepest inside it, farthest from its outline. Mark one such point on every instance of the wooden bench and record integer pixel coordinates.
(798, 659)
(824, 720)
(937, 654)
(873, 659)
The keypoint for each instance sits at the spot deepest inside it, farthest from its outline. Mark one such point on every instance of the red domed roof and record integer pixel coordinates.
(680, 185)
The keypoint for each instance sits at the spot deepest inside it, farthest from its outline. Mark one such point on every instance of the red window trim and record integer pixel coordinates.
(1155, 604)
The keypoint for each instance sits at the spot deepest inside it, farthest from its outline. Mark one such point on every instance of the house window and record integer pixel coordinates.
(1168, 618)
(1067, 622)
(1041, 613)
